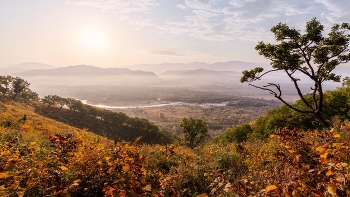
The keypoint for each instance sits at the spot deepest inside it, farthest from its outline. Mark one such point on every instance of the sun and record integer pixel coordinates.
(94, 38)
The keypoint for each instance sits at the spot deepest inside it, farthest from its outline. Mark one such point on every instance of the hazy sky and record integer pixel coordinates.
(126, 32)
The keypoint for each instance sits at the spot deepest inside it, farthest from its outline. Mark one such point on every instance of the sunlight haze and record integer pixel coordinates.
(117, 33)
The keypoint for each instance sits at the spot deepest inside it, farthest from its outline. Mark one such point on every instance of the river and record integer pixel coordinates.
(155, 105)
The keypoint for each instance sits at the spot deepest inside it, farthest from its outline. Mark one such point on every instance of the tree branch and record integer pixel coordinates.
(279, 96)
(298, 90)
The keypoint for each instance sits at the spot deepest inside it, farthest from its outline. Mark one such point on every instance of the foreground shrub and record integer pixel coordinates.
(73, 166)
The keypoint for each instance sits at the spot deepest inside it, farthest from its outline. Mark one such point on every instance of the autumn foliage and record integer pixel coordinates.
(42, 157)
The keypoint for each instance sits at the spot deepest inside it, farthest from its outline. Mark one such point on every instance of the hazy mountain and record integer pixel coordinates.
(237, 66)
(16, 68)
(83, 70)
(200, 77)
(88, 75)
(198, 73)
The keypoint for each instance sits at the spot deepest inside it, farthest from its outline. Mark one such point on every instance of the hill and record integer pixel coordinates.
(237, 66)
(103, 122)
(88, 75)
(27, 66)
(40, 157)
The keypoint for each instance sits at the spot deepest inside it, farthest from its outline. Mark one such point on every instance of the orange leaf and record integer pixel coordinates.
(122, 193)
(324, 156)
(329, 173)
(110, 191)
(271, 188)
(4, 175)
(126, 168)
(337, 135)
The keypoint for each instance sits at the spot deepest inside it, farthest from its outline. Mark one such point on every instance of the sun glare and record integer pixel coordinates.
(93, 38)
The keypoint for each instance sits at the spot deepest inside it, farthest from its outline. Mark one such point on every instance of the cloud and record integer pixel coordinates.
(338, 10)
(122, 8)
(165, 53)
(181, 6)
(204, 19)
(117, 6)
(254, 11)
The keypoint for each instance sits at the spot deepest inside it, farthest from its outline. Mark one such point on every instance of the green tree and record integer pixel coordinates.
(59, 100)
(30, 95)
(5, 84)
(49, 100)
(195, 130)
(311, 54)
(19, 85)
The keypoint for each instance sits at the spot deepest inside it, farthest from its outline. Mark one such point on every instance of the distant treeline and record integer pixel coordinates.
(114, 125)
(253, 102)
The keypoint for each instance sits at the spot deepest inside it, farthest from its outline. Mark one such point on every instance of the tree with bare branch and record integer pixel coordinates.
(312, 54)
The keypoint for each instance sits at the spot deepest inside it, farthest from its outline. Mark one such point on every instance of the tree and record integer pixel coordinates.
(59, 100)
(312, 54)
(19, 85)
(5, 83)
(49, 99)
(195, 131)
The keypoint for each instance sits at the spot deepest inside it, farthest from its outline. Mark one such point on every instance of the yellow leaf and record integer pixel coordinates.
(272, 136)
(291, 151)
(320, 150)
(324, 156)
(287, 147)
(4, 175)
(32, 143)
(203, 195)
(99, 162)
(337, 135)
(64, 168)
(148, 188)
(271, 188)
(107, 158)
(329, 173)
(332, 189)
(126, 168)
(77, 181)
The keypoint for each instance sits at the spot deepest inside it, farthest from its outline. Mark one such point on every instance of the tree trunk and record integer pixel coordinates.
(321, 120)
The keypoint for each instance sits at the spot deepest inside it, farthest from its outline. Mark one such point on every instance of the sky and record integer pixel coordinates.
(117, 33)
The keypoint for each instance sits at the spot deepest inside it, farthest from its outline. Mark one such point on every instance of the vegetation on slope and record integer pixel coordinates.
(41, 157)
(112, 125)
(336, 105)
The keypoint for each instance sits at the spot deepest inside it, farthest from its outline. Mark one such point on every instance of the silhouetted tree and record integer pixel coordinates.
(311, 54)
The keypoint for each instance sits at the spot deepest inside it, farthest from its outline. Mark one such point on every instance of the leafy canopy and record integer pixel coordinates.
(195, 130)
(311, 54)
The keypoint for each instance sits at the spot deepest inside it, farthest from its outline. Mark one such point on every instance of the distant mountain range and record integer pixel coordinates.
(195, 72)
(169, 74)
(88, 75)
(84, 70)
(15, 68)
(237, 66)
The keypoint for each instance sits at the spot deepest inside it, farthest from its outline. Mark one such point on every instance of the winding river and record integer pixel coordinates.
(155, 105)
